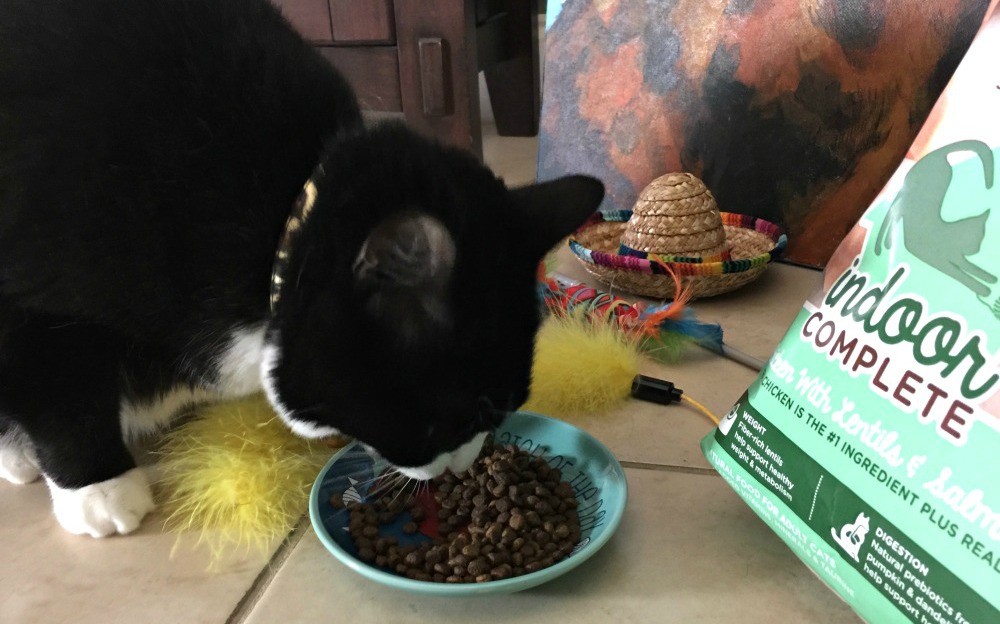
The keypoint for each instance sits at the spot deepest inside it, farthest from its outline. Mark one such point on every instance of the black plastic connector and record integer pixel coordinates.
(655, 390)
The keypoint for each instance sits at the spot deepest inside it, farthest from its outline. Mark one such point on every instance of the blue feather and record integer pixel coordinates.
(708, 335)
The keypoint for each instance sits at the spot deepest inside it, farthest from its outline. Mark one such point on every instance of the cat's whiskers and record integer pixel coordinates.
(402, 489)
(308, 410)
(424, 487)
(367, 482)
(381, 483)
(387, 481)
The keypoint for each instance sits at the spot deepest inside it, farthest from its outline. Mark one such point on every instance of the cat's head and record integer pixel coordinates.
(407, 305)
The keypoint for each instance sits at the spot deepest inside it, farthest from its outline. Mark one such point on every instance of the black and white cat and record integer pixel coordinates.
(150, 157)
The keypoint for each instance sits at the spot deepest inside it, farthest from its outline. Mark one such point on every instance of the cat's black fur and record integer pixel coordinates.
(150, 153)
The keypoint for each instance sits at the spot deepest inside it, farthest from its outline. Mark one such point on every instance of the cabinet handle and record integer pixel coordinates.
(433, 80)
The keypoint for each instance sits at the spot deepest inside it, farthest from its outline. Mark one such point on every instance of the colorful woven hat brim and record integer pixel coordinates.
(754, 244)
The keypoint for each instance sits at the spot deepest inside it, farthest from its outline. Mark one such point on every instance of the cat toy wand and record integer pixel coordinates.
(663, 325)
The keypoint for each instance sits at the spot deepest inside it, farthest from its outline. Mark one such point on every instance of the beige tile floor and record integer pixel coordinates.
(688, 549)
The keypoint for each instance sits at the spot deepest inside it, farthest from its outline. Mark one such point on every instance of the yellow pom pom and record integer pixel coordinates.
(581, 367)
(237, 475)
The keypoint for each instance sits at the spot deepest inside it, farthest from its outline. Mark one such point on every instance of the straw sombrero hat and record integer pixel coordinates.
(676, 228)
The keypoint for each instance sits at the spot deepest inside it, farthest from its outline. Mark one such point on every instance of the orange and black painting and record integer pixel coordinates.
(797, 111)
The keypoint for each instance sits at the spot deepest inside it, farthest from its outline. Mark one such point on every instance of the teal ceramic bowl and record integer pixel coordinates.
(588, 465)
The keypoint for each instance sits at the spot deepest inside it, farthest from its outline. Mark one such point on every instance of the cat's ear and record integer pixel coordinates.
(552, 210)
(404, 268)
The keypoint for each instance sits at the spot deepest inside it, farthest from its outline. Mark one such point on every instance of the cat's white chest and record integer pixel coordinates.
(237, 374)
(238, 364)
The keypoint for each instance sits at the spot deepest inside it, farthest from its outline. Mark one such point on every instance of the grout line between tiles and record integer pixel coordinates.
(708, 472)
(249, 601)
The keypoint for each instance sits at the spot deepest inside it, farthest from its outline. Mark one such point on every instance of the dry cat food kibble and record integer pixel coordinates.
(509, 514)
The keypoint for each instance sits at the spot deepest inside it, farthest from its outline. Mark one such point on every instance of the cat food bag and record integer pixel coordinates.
(870, 442)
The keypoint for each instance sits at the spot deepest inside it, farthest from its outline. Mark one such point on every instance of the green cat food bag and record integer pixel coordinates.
(871, 440)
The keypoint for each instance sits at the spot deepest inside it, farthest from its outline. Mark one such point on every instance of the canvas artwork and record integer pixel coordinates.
(795, 111)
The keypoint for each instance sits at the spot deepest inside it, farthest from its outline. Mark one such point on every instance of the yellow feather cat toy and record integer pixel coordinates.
(235, 476)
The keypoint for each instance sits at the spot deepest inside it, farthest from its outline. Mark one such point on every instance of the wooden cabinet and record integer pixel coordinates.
(423, 58)
(363, 21)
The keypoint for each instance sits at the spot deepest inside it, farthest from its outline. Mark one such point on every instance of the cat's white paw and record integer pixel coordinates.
(18, 464)
(114, 506)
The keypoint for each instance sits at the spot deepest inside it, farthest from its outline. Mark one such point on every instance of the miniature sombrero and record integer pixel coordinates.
(677, 229)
